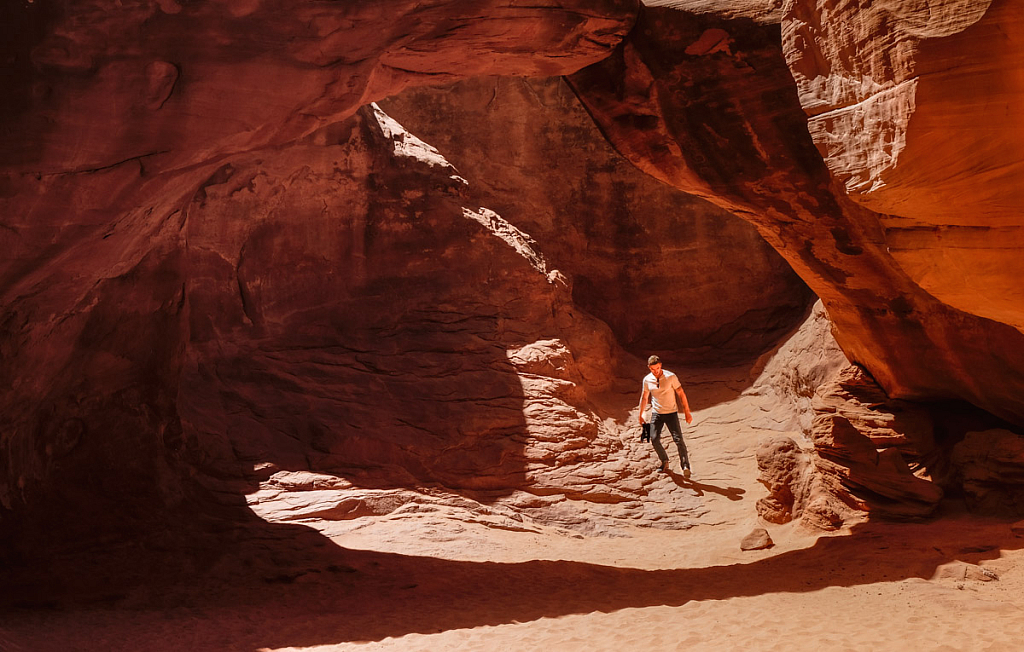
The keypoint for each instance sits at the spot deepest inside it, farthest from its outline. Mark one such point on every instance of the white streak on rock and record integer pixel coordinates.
(515, 238)
(409, 146)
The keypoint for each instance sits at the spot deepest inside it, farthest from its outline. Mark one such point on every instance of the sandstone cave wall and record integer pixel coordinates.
(708, 104)
(225, 264)
(192, 210)
(168, 295)
(668, 272)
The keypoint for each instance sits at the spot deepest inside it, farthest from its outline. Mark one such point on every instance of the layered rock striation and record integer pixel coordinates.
(708, 104)
(864, 455)
(914, 109)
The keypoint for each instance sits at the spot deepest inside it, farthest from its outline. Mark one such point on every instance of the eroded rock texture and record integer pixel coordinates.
(390, 332)
(668, 272)
(787, 472)
(226, 274)
(851, 452)
(866, 455)
(217, 271)
(866, 445)
(991, 467)
(708, 105)
(915, 108)
(337, 324)
(855, 452)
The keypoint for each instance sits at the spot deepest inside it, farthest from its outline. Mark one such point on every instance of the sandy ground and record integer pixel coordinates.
(436, 580)
(884, 587)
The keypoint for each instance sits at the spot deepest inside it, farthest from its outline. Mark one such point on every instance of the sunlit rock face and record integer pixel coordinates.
(668, 272)
(708, 104)
(916, 108)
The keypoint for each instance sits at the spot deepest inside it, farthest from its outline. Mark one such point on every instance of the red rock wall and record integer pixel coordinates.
(708, 105)
(98, 82)
(333, 306)
(668, 272)
(348, 313)
(190, 209)
(916, 111)
(193, 215)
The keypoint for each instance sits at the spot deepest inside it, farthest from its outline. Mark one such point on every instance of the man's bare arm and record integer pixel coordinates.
(686, 404)
(643, 404)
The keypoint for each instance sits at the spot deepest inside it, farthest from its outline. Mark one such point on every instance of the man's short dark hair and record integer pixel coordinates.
(653, 360)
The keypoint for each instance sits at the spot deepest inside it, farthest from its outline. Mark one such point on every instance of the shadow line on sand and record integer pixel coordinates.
(286, 588)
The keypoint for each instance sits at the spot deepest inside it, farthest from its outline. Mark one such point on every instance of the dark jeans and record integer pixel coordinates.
(672, 421)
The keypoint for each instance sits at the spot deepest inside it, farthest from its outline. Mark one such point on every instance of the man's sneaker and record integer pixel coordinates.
(664, 468)
(686, 472)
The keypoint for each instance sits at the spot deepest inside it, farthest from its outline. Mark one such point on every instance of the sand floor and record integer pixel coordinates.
(433, 580)
(952, 584)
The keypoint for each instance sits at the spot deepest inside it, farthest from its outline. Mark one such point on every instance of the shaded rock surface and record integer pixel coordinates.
(223, 273)
(991, 466)
(668, 272)
(217, 270)
(99, 83)
(319, 308)
(324, 331)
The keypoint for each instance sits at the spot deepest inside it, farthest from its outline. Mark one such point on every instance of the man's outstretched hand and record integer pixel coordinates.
(689, 418)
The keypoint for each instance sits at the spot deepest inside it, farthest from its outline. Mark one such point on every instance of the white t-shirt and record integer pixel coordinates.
(663, 391)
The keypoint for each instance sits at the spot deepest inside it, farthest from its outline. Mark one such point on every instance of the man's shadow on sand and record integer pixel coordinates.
(700, 488)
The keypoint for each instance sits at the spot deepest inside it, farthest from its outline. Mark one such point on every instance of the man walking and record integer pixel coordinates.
(663, 387)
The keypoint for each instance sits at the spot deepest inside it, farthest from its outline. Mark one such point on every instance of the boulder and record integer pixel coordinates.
(758, 539)
(784, 471)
